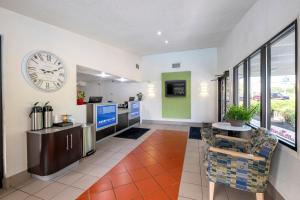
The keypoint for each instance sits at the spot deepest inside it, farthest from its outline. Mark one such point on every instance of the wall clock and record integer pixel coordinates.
(44, 70)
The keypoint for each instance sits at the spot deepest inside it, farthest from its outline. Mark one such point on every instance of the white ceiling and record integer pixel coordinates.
(132, 24)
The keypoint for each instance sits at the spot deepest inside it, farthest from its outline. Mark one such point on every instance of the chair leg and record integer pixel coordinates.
(260, 196)
(211, 190)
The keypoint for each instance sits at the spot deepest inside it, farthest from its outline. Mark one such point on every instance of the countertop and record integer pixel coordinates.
(54, 129)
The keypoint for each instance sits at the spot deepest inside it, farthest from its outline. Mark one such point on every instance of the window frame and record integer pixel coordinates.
(235, 85)
(292, 27)
(265, 62)
(257, 52)
(242, 64)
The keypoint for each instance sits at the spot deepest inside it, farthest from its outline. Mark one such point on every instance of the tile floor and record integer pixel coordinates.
(150, 171)
(135, 181)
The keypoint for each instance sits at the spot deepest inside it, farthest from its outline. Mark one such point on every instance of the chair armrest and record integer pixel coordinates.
(237, 154)
(232, 138)
(231, 143)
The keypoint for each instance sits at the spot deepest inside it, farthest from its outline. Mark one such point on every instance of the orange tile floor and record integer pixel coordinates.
(151, 171)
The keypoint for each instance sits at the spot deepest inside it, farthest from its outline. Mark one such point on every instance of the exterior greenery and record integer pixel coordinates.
(241, 113)
(286, 108)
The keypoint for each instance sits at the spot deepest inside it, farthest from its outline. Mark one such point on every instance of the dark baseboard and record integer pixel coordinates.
(166, 122)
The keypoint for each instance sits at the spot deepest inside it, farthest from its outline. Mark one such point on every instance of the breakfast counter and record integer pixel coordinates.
(53, 149)
(109, 119)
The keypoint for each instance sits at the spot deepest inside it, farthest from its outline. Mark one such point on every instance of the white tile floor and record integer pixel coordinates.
(194, 184)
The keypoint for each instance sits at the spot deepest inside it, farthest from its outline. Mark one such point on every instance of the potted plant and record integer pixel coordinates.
(80, 97)
(239, 115)
(139, 96)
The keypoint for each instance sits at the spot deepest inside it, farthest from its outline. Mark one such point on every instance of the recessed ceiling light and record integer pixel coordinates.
(122, 79)
(103, 75)
(166, 42)
(159, 33)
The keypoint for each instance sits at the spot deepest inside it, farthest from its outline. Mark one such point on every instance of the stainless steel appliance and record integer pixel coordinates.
(89, 139)
(48, 117)
(36, 116)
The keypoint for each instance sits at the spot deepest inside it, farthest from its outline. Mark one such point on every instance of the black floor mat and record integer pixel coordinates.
(133, 133)
(195, 133)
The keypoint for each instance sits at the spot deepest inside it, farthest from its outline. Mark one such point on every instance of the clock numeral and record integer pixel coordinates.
(48, 57)
(33, 76)
(61, 82)
(61, 74)
(39, 82)
(34, 61)
(57, 62)
(40, 56)
(57, 85)
(31, 68)
(47, 85)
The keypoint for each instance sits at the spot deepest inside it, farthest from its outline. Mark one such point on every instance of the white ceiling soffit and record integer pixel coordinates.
(86, 74)
(132, 24)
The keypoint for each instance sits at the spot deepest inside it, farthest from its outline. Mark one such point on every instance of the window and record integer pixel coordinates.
(267, 78)
(282, 113)
(255, 86)
(240, 72)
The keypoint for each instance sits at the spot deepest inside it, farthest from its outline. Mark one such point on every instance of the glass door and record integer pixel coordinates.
(223, 95)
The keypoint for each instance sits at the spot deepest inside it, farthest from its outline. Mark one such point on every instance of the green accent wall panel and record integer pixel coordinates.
(176, 107)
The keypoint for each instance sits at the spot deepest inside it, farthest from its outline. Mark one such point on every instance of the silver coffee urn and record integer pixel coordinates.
(36, 116)
(48, 115)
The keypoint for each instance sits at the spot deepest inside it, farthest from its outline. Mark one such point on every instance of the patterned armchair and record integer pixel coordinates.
(241, 164)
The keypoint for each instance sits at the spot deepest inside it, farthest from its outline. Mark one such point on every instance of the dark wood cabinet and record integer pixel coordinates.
(122, 121)
(134, 121)
(75, 140)
(51, 150)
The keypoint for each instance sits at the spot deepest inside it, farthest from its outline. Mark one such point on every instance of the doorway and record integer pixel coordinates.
(223, 95)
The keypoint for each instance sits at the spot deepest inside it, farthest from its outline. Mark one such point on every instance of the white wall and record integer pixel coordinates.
(120, 92)
(91, 89)
(264, 20)
(22, 35)
(203, 65)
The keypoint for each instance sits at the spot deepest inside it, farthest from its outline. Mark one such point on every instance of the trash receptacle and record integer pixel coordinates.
(89, 139)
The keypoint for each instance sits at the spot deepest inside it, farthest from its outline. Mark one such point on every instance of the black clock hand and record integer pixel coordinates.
(44, 71)
(55, 70)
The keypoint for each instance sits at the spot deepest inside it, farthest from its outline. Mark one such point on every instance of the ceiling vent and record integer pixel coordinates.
(176, 65)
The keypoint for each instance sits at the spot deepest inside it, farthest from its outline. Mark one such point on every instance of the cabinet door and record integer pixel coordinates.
(75, 144)
(61, 149)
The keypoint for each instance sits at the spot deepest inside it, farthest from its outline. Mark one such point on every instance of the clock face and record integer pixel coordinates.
(44, 70)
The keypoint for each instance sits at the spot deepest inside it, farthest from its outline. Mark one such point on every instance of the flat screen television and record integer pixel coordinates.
(175, 88)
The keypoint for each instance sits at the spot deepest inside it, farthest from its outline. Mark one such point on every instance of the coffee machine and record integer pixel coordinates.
(36, 116)
(48, 116)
